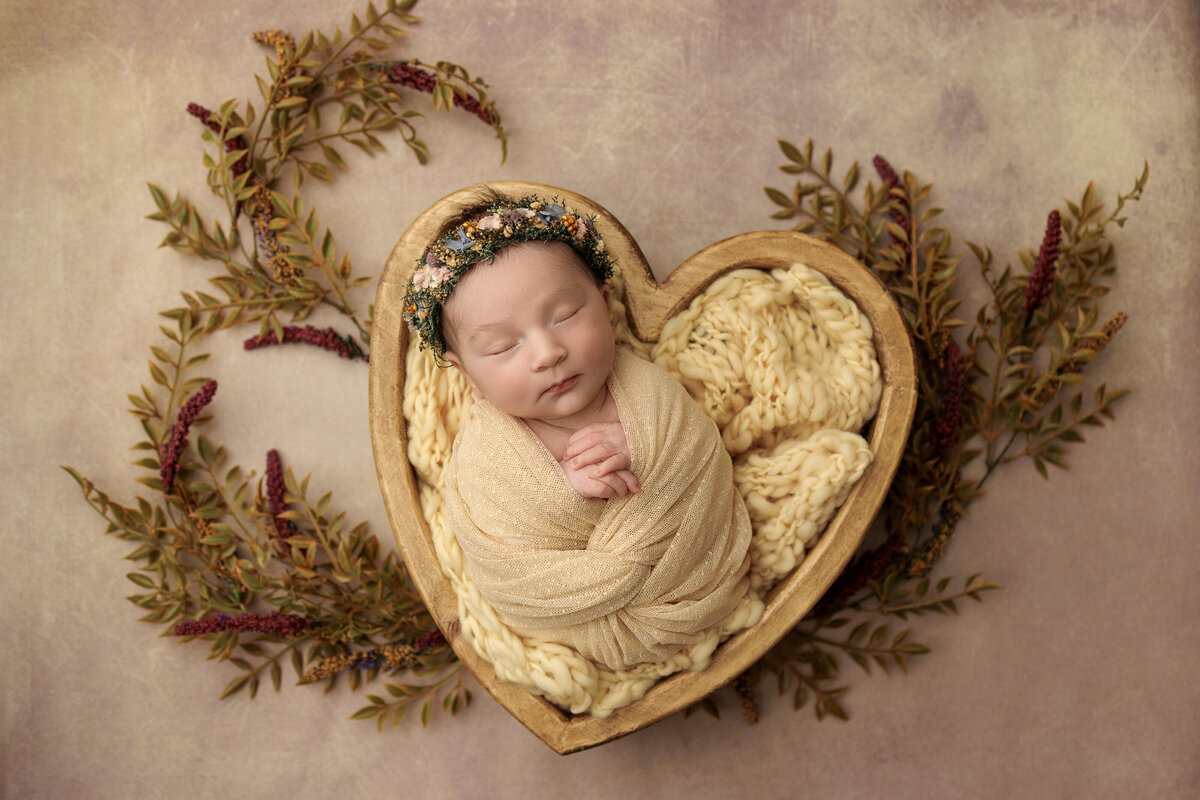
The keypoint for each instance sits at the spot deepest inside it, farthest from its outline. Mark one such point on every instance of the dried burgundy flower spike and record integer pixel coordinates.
(233, 143)
(889, 177)
(324, 338)
(423, 80)
(173, 447)
(285, 626)
(1042, 279)
(867, 568)
(886, 173)
(275, 500)
(950, 399)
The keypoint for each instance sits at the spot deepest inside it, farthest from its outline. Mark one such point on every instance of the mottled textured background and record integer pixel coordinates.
(1078, 680)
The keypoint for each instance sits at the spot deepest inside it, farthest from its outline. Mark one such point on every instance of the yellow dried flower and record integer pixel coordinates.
(1094, 345)
(285, 53)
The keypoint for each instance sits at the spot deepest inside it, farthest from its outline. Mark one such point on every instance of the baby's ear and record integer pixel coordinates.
(453, 358)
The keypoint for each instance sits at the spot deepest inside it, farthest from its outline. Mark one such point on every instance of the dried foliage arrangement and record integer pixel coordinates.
(285, 264)
(261, 566)
(265, 571)
(1007, 390)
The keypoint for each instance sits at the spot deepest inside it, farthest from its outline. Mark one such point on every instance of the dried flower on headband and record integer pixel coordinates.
(506, 222)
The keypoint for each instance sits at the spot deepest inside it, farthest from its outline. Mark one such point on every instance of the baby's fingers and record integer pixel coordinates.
(614, 485)
(599, 488)
(630, 480)
(597, 454)
(617, 461)
(583, 440)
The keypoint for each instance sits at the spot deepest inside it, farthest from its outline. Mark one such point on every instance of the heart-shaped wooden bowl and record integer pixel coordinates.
(649, 305)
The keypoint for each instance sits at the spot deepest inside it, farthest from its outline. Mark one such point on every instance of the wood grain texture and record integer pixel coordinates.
(649, 305)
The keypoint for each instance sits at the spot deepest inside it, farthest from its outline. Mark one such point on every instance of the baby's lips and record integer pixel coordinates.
(561, 386)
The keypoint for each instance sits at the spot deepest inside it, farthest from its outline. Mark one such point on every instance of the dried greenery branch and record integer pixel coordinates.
(255, 565)
(325, 91)
(1004, 391)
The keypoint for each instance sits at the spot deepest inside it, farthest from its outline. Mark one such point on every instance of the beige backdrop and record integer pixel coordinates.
(1078, 680)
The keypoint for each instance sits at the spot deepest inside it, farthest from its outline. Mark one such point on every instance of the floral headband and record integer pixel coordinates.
(506, 222)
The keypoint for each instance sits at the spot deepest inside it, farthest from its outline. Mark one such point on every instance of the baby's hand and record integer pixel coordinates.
(587, 483)
(601, 444)
(597, 463)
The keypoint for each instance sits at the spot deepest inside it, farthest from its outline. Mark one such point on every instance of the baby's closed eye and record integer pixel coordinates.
(566, 315)
(499, 348)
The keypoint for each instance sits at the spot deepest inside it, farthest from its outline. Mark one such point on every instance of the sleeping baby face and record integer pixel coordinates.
(530, 332)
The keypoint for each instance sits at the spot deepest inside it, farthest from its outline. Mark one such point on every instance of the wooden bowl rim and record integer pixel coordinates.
(649, 305)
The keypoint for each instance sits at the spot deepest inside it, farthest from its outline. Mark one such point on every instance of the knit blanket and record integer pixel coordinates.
(783, 363)
(623, 581)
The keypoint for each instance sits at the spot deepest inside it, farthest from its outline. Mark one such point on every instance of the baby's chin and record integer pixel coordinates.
(583, 410)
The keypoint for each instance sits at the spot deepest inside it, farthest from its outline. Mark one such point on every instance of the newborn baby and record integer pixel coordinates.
(592, 498)
(529, 330)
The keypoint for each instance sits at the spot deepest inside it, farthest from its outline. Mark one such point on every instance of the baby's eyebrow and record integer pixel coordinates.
(481, 330)
(568, 293)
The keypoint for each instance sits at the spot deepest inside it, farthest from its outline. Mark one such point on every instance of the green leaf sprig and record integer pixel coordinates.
(1004, 391)
(319, 94)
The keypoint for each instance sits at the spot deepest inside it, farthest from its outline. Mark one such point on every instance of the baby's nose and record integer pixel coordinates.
(547, 352)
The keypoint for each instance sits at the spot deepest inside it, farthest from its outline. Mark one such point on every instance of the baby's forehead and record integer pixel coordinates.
(559, 250)
(559, 271)
(557, 263)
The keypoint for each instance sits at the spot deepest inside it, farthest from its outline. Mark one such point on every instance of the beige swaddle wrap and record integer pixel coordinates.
(622, 581)
(783, 363)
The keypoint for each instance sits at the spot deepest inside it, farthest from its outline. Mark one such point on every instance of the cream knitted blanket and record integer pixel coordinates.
(783, 363)
(624, 581)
